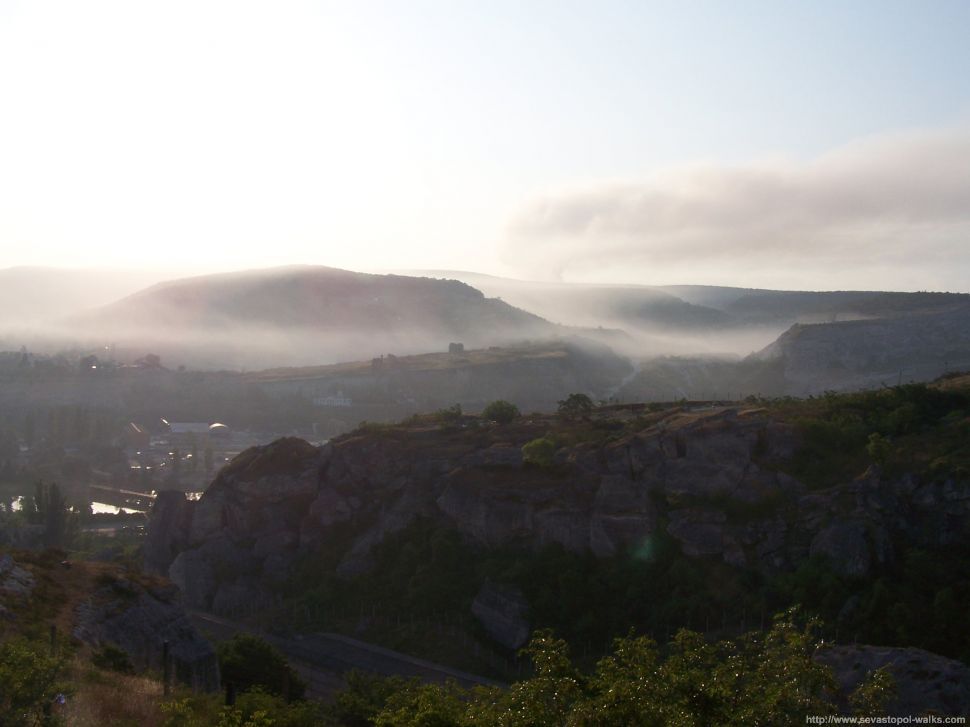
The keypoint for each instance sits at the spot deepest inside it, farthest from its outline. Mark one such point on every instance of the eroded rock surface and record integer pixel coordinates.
(926, 683)
(710, 479)
(503, 612)
(139, 619)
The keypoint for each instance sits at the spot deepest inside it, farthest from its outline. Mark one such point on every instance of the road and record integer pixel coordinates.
(323, 658)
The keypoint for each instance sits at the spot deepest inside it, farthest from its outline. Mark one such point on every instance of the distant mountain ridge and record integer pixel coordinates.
(311, 314)
(700, 312)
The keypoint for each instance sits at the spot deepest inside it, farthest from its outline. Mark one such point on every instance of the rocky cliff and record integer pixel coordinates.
(711, 479)
(857, 354)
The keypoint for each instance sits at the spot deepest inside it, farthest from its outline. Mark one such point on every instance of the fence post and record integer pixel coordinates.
(166, 669)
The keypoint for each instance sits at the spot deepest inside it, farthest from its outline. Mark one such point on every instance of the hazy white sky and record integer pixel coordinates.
(812, 144)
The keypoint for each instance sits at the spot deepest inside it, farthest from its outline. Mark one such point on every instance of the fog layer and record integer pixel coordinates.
(884, 213)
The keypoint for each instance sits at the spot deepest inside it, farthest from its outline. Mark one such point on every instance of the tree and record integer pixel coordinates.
(49, 508)
(501, 411)
(29, 683)
(759, 679)
(248, 662)
(575, 406)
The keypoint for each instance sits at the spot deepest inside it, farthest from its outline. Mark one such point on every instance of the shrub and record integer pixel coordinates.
(539, 452)
(450, 415)
(878, 448)
(501, 411)
(248, 662)
(112, 658)
(29, 682)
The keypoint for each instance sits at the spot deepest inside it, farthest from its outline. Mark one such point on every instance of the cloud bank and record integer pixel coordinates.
(885, 212)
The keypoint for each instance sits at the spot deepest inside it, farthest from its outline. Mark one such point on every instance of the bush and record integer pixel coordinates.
(539, 452)
(112, 658)
(249, 662)
(450, 415)
(29, 682)
(501, 411)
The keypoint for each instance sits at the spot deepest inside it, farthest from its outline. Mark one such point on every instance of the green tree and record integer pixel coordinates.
(424, 705)
(501, 411)
(364, 698)
(575, 406)
(29, 682)
(761, 679)
(248, 661)
(49, 508)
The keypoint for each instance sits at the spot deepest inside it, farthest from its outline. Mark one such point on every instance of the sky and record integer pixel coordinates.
(813, 145)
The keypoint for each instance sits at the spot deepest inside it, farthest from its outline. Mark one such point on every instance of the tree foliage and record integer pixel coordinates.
(250, 662)
(758, 679)
(576, 405)
(29, 682)
(501, 411)
(539, 452)
(49, 508)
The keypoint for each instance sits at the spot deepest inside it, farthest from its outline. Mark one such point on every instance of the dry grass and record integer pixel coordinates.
(108, 698)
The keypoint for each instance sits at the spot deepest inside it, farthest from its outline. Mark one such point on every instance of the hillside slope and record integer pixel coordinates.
(854, 506)
(307, 315)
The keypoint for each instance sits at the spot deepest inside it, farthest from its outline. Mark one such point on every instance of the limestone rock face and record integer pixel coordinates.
(708, 477)
(138, 620)
(846, 547)
(700, 532)
(925, 682)
(171, 517)
(502, 611)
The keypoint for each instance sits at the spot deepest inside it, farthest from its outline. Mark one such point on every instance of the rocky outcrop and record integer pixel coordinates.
(139, 619)
(502, 611)
(15, 581)
(171, 519)
(867, 353)
(925, 683)
(707, 478)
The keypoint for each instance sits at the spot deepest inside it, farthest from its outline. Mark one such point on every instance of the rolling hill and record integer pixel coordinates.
(306, 314)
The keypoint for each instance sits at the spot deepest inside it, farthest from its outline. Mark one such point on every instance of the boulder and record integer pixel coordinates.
(502, 611)
(926, 683)
(15, 580)
(139, 620)
(168, 530)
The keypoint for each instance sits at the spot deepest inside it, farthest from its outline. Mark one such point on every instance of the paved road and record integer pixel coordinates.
(323, 658)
